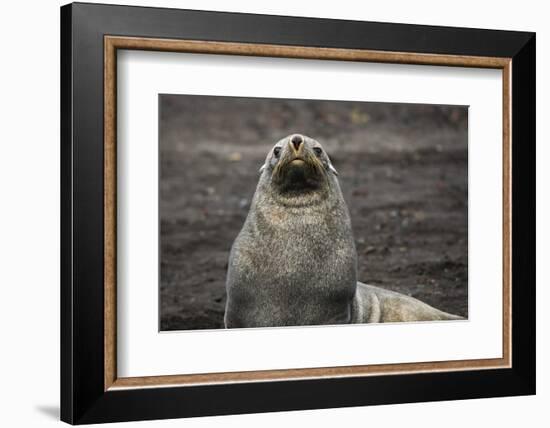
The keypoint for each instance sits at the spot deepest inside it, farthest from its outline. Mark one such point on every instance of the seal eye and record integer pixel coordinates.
(318, 151)
(277, 152)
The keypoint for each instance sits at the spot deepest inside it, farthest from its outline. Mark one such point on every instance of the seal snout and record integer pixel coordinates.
(296, 143)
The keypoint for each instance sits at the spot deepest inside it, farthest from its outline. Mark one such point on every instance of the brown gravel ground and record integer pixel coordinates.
(403, 169)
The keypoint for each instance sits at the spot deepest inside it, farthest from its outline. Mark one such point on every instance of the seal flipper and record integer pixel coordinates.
(374, 304)
(365, 306)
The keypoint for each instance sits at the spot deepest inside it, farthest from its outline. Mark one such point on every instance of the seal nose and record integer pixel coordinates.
(297, 141)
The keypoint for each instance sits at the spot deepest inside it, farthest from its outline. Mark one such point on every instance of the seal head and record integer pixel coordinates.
(299, 165)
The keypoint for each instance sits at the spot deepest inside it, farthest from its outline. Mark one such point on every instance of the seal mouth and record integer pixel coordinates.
(298, 174)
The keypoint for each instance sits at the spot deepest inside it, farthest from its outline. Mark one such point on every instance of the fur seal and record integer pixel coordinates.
(294, 262)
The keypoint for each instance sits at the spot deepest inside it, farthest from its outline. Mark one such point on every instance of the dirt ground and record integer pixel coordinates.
(403, 169)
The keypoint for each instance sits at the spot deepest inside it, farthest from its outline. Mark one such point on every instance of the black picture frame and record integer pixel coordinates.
(83, 397)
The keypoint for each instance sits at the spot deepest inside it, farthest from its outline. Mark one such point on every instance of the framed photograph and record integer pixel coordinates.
(266, 213)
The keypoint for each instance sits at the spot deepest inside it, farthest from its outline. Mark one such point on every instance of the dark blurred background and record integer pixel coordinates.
(403, 169)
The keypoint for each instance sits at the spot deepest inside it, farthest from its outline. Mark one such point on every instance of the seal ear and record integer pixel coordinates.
(262, 168)
(332, 169)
